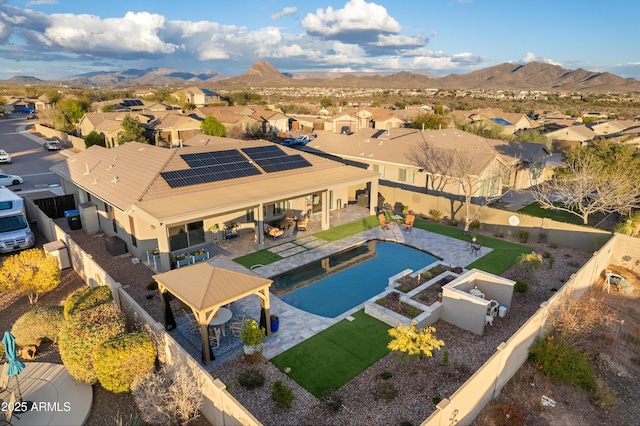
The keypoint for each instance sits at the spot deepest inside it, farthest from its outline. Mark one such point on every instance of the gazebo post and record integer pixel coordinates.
(206, 349)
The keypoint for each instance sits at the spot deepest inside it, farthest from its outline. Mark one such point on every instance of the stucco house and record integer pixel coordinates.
(569, 137)
(200, 97)
(493, 165)
(174, 199)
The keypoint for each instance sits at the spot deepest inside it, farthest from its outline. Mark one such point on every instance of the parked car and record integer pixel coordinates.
(300, 140)
(5, 157)
(26, 110)
(345, 130)
(7, 180)
(31, 117)
(52, 146)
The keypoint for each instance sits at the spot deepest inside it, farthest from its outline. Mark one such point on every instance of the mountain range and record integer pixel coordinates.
(533, 76)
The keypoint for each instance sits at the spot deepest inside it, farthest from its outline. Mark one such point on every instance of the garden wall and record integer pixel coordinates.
(219, 406)
(496, 220)
(487, 382)
(65, 138)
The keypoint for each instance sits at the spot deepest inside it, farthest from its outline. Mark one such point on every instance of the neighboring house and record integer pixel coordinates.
(246, 117)
(569, 137)
(15, 104)
(170, 199)
(200, 97)
(348, 119)
(43, 103)
(272, 122)
(494, 165)
(610, 127)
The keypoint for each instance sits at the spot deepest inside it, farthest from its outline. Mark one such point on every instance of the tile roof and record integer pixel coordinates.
(129, 175)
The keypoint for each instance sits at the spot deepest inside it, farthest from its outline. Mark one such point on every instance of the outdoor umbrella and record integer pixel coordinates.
(15, 365)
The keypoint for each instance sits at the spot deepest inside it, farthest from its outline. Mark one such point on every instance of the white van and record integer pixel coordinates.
(15, 233)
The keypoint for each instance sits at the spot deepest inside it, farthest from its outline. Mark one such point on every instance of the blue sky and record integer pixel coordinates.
(52, 39)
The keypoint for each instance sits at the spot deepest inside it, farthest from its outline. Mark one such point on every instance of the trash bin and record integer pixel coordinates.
(73, 219)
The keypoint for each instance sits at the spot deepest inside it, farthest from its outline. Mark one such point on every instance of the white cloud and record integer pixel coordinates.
(358, 20)
(530, 57)
(134, 33)
(287, 11)
(38, 2)
(399, 41)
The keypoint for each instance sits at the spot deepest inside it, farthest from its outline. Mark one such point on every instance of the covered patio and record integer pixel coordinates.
(207, 286)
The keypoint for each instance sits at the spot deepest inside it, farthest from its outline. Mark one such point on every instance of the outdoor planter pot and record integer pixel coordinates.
(252, 336)
(275, 323)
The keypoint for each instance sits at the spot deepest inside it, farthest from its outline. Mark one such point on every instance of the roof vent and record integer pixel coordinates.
(115, 180)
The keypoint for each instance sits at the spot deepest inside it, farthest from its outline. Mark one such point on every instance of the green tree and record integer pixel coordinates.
(413, 342)
(31, 272)
(212, 127)
(93, 138)
(73, 109)
(326, 102)
(131, 131)
(429, 121)
(533, 136)
(108, 108)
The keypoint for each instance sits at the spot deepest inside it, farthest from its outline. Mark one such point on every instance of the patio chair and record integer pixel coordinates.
(273, 232)
(214, 336)
(302, 223)
(384, 223)
(237, 324)
(195, 326)
(475, 248)
(408, 222)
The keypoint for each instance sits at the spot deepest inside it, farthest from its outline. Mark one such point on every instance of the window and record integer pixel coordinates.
(405, 175)
(132, 231)
(379, 168)
(251, 216)
(183, 236)
(281, 207)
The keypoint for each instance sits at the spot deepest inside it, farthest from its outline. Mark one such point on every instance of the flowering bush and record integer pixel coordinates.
(252, 334)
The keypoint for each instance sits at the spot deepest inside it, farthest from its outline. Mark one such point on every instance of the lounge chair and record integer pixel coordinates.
(7, 414)
(408, 222)
(302, 223)
(384, 223)
(214, 336)
(273, 232)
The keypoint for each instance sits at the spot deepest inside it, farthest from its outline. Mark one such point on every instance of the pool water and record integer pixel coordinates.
(336, 284)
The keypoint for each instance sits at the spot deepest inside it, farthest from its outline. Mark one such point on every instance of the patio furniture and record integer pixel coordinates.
(195, 326)
(492, 309)
(273, 232)
(223, 315)
(302, 223)
(237, 324)
(8, 409)
(384, 223)
(476, 292)
(214, 336)
(475, 248)
(408, 222)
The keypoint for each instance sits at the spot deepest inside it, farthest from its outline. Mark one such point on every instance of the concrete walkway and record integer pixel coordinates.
(55, 397)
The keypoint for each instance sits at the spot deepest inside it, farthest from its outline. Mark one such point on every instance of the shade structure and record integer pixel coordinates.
(15, 365)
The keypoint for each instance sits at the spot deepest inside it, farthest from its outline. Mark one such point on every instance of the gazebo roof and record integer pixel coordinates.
(213, 283)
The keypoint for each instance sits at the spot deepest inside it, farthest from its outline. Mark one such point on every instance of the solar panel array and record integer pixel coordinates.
(132, 102)
(273, 159)
(209, 167)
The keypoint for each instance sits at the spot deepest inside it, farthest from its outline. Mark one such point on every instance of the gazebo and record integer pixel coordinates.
(207, 286)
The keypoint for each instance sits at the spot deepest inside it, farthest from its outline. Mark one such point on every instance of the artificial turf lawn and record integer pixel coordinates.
(348, 229)
(336, 355)
(501, 258)
(260, 257)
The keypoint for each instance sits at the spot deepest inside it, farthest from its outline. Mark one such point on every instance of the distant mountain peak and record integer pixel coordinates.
(264, 69)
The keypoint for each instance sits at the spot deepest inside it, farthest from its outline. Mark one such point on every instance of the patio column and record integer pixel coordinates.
(373, 197)
(163, 248)
(325, 210)
(265, 308)
(259, 228)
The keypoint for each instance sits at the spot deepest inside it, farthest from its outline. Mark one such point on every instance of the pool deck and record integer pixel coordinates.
(297, 325)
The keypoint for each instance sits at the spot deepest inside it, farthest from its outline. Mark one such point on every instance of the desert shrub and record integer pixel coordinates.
(558, 360)
(452, 222)
(498, 234)
(331, 399)
(153, 285)
(553, 245)
(436, 215)
(282, 394)
(124, 359)
(602, 396)
(523, 236)
(546, 255)
(475, 224)
(170, 396)
(41, 323)
(386, 391)
(445, 357)
(573, 264)
(385, 375)
(86, 298)
(251, 379)
(83, 333)
(436, 399)
(521, 286)
(529, 262)
(552, 260)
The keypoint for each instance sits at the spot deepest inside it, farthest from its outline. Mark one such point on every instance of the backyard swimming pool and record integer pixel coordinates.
(332, 286)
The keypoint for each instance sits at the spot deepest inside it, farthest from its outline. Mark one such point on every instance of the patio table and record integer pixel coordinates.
(224, 315)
